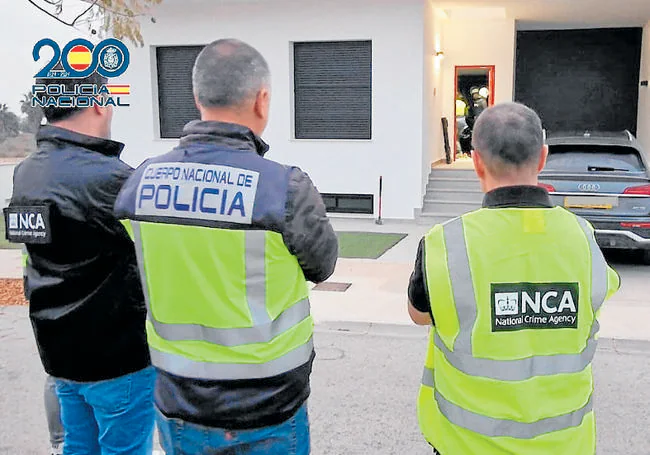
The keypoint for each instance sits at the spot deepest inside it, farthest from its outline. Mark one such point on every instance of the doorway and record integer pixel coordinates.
(474, 92)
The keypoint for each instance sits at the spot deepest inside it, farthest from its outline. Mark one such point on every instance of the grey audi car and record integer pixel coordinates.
(604, 178)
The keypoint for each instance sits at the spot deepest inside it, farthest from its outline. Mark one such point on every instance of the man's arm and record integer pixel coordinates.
(101, 201)
(419, 306)
(308, 233)
(613, 282)
(418, 317)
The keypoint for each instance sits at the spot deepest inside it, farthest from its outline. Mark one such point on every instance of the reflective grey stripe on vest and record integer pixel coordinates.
(491, 427)
(262, 333)
(139, 255)
(522, 369)
(495, 428)
(184, 367)
(427, 377)
(263, 330)
(515, 370)
(462, 286)
(256, 276)
(599, 275)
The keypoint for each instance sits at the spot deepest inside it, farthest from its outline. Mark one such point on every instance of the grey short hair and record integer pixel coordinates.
(508, 135)
(227, 73)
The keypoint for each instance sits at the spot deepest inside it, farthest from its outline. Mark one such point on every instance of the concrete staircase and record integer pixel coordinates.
(450, 193)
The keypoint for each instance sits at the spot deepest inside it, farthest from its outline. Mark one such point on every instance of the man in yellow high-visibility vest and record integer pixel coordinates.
(513, 292)
(226, 241)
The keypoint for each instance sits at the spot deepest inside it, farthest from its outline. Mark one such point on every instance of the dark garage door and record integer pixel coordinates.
(580, 79)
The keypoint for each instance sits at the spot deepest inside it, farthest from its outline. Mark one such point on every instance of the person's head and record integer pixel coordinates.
(475, 93)
(92, 121)
(509, 148)
(231, 82)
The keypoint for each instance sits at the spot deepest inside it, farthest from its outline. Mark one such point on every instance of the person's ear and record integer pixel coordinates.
(98, 110)
(262, 104)
(102, 111)
(479, 165)
(542, 158)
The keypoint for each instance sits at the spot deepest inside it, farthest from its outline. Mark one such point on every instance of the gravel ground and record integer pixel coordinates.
(11, 292)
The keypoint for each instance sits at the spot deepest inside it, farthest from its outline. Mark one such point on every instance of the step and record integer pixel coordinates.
(449, 173)
(432, 220)
(454, 207)
(453, 184)
(445, 194)
(445, 176)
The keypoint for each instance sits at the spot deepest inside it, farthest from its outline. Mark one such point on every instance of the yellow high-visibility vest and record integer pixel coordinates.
(514, 295)
(223, 304)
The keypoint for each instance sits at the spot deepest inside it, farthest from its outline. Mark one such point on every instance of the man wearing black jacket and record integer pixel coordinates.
(81, 278)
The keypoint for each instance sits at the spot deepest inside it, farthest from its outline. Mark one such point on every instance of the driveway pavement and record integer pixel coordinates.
(369, 360)
(364, 389)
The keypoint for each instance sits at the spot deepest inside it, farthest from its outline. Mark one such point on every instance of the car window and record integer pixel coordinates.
(583, 158)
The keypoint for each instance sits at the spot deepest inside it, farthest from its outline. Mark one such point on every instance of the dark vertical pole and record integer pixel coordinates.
(381, 178)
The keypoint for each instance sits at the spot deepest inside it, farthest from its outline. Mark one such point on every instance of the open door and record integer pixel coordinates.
(474, 92)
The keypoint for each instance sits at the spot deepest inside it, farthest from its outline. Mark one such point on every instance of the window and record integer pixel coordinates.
(593, 158)
(349, 203)
(333, 89)
(175, 99)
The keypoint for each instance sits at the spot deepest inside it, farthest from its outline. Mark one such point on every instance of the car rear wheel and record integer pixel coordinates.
(645, 257)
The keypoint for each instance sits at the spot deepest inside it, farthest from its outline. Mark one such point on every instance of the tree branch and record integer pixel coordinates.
(72, 24)
(119, 17)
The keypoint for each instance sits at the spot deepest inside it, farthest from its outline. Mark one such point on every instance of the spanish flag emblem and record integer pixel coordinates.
(80, 58)
(117, 90)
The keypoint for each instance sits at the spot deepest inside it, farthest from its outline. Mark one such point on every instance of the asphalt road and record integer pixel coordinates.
(365, 383)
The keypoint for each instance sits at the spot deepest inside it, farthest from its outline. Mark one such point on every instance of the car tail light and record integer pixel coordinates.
(547, 187)
(636, 225)
(643, 190)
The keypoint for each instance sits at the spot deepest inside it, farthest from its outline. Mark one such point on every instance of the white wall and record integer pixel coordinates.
(395, 28)
(478, 42)
(643, 121)
(432, 139)
(438, 83)
(429, 129)
(6, 183)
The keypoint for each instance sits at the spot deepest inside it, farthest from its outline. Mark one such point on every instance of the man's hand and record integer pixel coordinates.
(418, 317)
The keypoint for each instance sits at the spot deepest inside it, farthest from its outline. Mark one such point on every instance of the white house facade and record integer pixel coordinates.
(359, 87)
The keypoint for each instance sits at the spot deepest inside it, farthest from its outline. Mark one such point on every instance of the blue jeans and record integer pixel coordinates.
(109, 417)
(291, 437)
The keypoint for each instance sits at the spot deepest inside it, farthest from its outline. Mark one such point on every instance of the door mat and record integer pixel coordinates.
(366, 245)
(332, 286)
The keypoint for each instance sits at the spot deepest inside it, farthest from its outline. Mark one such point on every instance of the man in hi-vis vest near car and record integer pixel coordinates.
(513, 292)
(226, 241)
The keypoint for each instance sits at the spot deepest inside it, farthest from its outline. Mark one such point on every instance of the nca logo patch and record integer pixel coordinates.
(507, 303)
(28, 224)
(13, 221)
(518, 306)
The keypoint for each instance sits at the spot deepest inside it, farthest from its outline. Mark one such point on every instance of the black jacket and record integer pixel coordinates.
(86, 303)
